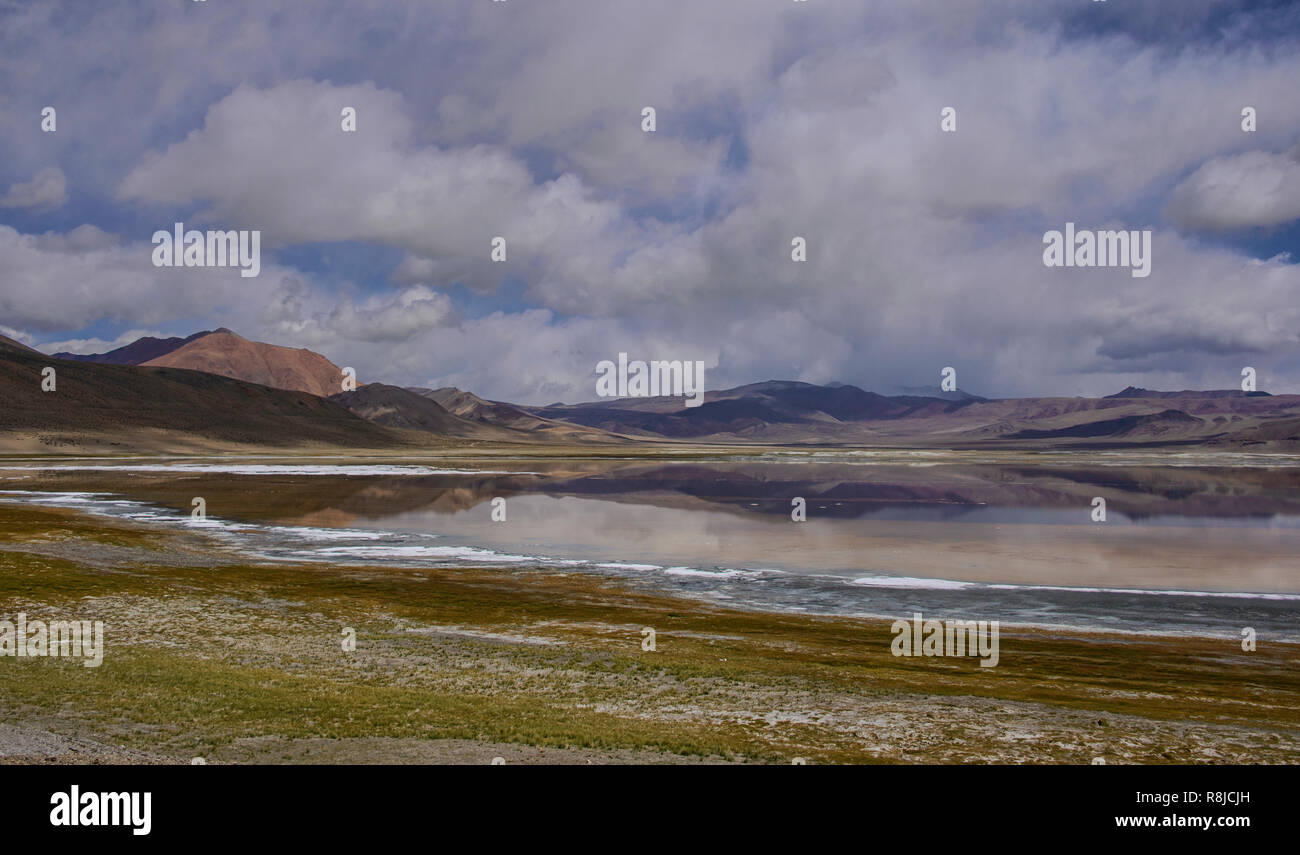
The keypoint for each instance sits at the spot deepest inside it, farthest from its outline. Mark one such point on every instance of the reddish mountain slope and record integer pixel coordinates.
(230, 355)
(127, 406)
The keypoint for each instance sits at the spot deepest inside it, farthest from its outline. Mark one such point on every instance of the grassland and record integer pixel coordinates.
(211, 656)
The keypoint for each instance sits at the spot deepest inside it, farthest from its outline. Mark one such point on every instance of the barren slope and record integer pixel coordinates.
(230, 355)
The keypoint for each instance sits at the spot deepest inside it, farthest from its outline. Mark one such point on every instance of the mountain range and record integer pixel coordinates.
(218, 387)
(223, 352)
(105, 406)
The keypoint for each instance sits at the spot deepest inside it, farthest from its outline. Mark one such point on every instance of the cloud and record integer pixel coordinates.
(816, 120)
(1255, 188)
(47, 190)
(84, 238)
(391, 319)
(530, 356)
(18, 335)
(67, 281)
(276, 160)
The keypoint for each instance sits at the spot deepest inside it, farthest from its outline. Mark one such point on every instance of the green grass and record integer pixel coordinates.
(199, 657)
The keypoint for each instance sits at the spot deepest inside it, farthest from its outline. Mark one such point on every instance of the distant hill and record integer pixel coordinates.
(935, 392)
(230, 355)
(129, 406)
(393, 406)
(1135, 392)
(786, 412)
(470, 406)
(468, 415)
(137, 352)
(772, 409)
(1281, 431)
(473, 408)
(220, 385)
(1164, 423)
(222, 351)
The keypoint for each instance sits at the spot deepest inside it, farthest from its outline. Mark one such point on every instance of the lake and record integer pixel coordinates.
(1191, 543)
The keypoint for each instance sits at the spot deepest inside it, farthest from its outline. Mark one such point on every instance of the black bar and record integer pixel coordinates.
(369, 804)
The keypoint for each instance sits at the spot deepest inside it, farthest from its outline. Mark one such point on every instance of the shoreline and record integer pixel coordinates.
(241, 663)
(1117, 576)
(1134, 579)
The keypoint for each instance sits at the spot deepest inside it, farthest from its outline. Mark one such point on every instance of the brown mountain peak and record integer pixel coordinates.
(226, 353)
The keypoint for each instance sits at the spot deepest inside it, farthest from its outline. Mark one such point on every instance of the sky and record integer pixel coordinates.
(774, 119)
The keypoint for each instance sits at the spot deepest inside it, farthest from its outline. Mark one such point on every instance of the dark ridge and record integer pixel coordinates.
(1136, 392)
(1113, 427)
(139, 351)
(93, 398)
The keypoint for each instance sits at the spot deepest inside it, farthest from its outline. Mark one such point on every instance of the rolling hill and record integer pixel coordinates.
(472, 417)
(393, 406)
(220, 385)
(772, 411)
(475, 409)
(783, 412)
